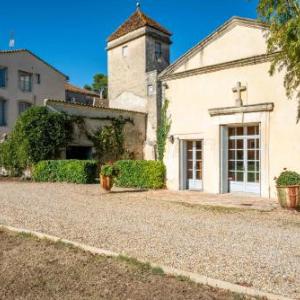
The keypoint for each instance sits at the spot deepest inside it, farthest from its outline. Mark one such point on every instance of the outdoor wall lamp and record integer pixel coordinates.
(171, 139)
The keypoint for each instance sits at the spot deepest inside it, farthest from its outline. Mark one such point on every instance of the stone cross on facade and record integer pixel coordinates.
(239, 89)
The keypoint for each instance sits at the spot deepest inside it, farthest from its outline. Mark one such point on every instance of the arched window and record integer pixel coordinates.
(23, 105)
(2, 112)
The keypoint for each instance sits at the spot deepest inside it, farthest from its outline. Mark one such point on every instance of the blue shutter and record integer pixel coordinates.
(2, 113)
(3, 77)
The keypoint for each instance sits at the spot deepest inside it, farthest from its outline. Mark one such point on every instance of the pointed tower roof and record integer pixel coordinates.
(137, 20)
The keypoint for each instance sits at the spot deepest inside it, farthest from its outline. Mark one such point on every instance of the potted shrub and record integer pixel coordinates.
(108, 172)
(288, 189)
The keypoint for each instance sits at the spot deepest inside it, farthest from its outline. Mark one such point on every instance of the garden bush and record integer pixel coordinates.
(288, 178)
(72, 171)
(140, 174)
(39, 134)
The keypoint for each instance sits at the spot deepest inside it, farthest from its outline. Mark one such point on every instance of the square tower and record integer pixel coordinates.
(137, 52)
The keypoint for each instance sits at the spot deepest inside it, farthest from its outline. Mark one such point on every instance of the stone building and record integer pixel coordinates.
(75, 94)
(137, 52)
(94, 118)
(25, 80)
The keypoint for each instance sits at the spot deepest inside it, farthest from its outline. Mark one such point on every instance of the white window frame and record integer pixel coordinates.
(25, 85)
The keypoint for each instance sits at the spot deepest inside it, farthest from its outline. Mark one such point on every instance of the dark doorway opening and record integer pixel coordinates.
(79, 152)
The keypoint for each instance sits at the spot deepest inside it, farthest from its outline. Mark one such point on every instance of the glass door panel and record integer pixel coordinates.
(244, 159)
(194, 165)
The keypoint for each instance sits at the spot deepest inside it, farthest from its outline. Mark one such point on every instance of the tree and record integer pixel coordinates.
(283, 16)
(99, 83)
(38, 135)
(87, 87)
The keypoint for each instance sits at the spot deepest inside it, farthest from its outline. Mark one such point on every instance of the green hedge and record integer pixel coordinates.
(140, 174)
(73, 171)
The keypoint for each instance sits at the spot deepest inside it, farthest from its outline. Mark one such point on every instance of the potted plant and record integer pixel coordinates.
(108, 172)
(288, 189)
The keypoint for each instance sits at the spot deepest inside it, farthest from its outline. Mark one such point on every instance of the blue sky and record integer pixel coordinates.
(71, 34)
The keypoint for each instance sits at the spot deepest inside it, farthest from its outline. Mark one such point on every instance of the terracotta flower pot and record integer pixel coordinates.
(289, 196)
(106, 182)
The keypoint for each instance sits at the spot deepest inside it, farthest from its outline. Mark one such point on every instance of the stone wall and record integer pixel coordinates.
(133, 79)
(96, 117)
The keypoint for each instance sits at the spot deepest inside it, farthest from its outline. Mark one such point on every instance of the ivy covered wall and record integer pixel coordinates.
(122, 133)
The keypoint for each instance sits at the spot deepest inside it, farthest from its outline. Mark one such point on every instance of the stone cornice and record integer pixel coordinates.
(253, 60)
(262, 107)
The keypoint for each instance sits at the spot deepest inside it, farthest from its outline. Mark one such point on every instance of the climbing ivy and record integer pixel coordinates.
(109, 141)
(163, 130)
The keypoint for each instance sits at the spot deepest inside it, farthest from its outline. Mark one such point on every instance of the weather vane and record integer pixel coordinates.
(138, 5)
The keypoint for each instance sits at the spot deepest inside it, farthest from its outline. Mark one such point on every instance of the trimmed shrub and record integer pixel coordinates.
(109, 170)
(140, 174)
(72, 171)
(287, 178)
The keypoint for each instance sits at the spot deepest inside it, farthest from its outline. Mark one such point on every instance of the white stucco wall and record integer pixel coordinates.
(51, 86)
(192, 96)
(237, 41)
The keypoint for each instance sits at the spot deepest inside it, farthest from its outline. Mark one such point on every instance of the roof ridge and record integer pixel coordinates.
(143, 16)
(135, 21)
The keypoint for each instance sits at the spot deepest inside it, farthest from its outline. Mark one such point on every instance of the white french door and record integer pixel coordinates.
(194, 165)
(244, 159)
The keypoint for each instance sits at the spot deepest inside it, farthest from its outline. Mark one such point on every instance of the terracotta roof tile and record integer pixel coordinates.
(76, 89)
(136, 21)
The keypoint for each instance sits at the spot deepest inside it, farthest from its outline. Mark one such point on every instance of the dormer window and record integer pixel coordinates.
(125, 51)
(158, 50)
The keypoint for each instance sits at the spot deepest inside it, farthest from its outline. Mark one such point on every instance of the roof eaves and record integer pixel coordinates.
(91, 106)
(36, 56)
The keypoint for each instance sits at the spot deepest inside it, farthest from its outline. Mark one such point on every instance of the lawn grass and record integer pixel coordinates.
(42, 269)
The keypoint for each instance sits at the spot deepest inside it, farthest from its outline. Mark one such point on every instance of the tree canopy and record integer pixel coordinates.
(99, 83)
(283, 16)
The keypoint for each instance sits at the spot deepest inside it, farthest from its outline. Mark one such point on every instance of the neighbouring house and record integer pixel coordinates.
(25, 80)
(233, 127)
(75, 94)
(137, 52)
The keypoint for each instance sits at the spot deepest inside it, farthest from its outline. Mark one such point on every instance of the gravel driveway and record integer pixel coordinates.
(257, 249)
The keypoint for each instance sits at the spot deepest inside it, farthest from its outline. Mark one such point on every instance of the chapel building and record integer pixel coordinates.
(233, 128)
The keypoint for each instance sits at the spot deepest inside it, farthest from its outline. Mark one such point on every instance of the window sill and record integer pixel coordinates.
(27, 92)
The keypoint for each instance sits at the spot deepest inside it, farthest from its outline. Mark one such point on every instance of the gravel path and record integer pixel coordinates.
(257, 249)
